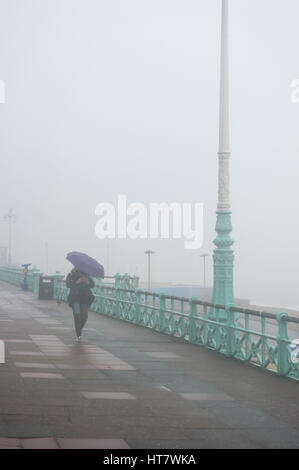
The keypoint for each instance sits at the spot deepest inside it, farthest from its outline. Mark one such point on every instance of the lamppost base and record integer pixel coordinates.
(223, 291)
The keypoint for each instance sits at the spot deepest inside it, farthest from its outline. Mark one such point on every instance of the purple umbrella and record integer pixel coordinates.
(86, 264)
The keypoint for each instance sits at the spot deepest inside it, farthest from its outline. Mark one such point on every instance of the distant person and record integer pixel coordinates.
(80, 298)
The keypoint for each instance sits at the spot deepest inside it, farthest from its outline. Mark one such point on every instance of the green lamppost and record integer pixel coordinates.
(223, 292)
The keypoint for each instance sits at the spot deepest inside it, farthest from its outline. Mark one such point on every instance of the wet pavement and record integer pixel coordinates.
(126, 386)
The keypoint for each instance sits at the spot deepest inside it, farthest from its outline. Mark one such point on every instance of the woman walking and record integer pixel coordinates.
(80, 298)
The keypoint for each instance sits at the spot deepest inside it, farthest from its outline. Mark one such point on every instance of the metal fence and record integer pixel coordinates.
(15, 276)
(258, 338)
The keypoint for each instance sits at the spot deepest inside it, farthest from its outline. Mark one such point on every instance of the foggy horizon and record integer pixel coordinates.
(109, 98)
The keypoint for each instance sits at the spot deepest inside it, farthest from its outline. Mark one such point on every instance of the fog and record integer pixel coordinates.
(110, 97)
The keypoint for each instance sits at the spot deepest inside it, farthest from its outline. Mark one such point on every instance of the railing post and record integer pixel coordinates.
(283, 341)
(162, 308)
(100, 293)
(192, 321)
(137, 316)
(117, 281)
(230, 337)
(57, 277)
(118, 302)
(126, 281)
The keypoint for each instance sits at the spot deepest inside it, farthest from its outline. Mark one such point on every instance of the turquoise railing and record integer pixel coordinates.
(257, 338)
(15, 276)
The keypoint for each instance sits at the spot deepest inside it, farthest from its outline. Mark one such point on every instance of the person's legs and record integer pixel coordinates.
(77, 318)
(84, 315)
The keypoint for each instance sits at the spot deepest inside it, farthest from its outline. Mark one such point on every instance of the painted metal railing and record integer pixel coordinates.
(15, 276)
(258, 338)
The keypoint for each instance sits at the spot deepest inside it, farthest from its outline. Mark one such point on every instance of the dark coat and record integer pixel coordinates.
(79, 285)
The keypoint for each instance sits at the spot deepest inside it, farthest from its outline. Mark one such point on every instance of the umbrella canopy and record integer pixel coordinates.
(86, 264)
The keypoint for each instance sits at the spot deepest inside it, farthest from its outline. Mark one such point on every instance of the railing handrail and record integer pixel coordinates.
(218, 327)
(236, 309)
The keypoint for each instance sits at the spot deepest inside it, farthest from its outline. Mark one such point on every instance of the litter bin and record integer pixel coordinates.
(46, 288)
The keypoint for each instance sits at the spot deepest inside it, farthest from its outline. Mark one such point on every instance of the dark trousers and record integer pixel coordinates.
(80, 313)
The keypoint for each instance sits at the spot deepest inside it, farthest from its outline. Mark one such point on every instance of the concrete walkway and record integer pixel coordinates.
(127, 387)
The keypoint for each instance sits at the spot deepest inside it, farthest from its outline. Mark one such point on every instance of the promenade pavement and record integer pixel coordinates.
(128, 387)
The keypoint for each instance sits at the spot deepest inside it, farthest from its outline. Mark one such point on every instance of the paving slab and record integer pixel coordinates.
(126, 387)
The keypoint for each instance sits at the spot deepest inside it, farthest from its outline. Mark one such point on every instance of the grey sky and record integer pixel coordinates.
(107, 97)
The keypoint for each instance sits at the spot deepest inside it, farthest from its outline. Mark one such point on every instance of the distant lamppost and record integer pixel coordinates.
(204, 269)
(149, 253)
(108, 258)
(223, 292)
(10, 217)
(47, 257)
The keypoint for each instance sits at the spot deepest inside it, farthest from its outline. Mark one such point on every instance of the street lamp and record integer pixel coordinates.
(108, 258)
(47, 257)
(10, 217)
(149, 253)
(223, 292)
